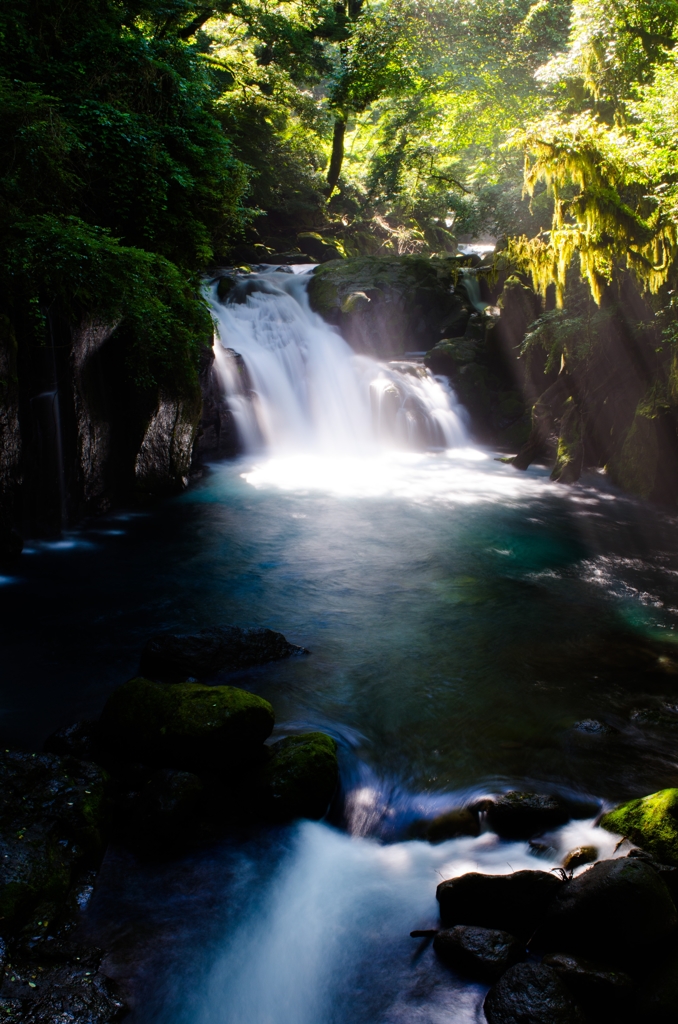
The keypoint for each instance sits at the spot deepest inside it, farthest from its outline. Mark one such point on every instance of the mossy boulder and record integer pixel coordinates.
(651, 822)
(186, 725)
(301, 776)
(318, 248)
(52, 810)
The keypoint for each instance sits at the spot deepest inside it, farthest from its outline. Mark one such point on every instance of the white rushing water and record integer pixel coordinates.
(305, 390)
(327, 941)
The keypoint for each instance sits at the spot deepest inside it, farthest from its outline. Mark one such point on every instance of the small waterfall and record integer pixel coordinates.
(294, 385)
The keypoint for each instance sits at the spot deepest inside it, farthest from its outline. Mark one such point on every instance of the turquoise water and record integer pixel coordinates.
(470, 628)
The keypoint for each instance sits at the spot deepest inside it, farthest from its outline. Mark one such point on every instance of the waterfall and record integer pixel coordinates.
(294, 385)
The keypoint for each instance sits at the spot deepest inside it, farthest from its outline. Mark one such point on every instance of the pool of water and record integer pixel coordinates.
(471, 628)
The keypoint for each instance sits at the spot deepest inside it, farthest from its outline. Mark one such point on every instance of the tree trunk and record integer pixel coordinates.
(337, 157)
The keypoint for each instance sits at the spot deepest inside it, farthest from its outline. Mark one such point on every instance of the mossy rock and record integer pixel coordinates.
(52, 811)
(450, 353)
(186, 725)
(333, 282)
(301, 776)
(651, 822)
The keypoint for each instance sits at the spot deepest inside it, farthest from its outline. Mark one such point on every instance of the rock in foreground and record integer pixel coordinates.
(187, 726)
(531, 994)
(651, 822)
(301, 776)
(513, 903)
(479, 953)
(615, 911)
(177, 656)
(598, 989)
(523, 815)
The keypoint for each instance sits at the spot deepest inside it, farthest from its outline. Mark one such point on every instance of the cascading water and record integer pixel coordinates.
(305, 390)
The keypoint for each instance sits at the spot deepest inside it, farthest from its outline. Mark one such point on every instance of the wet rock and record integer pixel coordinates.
(668, 873)
(523, 815)
(531, 994)
(616, 911)
(596, 988)
(658, 998)
(514, 903)
(593, 727)
(462, 821)
(51, 812)
(651, 822)
(318, 248)
(163, 461)
(178, 656)
(187, 726)
(581, 855)
(301, 777)
(71, 992)
(479, 953)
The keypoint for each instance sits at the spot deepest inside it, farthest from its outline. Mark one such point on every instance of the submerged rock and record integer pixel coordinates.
(177, 656)
(651, 822)
(480, 953)
(51, 812)
(514, 903)
(596, 988)
(523, 815)
(531, 994)
(462, 821)
(616, 911)
(185, 725)
(301, 776)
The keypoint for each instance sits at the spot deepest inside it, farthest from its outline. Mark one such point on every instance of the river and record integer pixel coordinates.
(471, 629)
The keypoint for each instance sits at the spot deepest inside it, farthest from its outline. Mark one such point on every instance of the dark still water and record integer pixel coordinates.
(471, 628)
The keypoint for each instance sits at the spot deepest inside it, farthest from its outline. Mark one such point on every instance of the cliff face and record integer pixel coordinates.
(77, 433)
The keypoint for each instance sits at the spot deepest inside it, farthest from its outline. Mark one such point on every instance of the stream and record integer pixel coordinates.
(471, 628)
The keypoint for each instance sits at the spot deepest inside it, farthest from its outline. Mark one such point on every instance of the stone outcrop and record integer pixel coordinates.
(651, 822)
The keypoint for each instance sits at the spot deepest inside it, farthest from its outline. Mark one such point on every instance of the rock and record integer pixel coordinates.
(669, 874)
(301, 776)
(651, 822)
(51, 813)
(523, 815)
(658, 998)
(581, 855)
(177, 656)
(79, 740)
(514, 903)
(615, 911)
(480, 953)
(460, 822)
(596, 988)
(224, 286)
(355, 302)
(531, 994)
(70, 991)
(163, 460)
(185, 725)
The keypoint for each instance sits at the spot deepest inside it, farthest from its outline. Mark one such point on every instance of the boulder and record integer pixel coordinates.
(79, 740)
(479, 953)
(301, 776)
(514, 903)
(523, 815)
(51, 813)
(462, 821)
(177, 656)
(658, 998)
(615, 911)
(187, 726)
(651, 822)
(318, 248)
(531, 994)
(596, 988)
(580, 855)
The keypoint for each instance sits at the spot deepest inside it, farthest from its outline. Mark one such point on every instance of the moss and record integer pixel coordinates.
(651, 822)
(569, 456)
(186, 725)
(635, 467)
(301, 776)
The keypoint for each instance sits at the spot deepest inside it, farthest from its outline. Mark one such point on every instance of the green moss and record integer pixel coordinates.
(302, 775)
(186, 725)
(651, 823)
(635, 467)
(570, 452)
